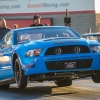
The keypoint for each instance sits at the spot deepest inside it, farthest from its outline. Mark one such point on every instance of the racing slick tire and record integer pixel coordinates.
(20, 79)
(5, 86)
(63, 82)
(96, 77)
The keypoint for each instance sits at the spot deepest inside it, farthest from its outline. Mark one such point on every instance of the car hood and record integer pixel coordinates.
(50, 42)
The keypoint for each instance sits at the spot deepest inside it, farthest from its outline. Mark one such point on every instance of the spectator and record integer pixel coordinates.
(89, 30)
(68, 24)
(36, 21)
(46, 24)
(84, 37)
(3, 28)
(98, 38)
(15, 26)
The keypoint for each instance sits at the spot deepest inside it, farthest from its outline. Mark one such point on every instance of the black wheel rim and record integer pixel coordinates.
(17, 74)
(18, 77)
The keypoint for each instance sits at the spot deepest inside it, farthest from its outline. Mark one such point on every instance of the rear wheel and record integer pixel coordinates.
(96, 77)
(4, 86)
(63, 82)
(21, 80)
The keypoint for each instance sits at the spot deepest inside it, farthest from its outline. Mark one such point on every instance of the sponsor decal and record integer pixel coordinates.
(68, 65)
(68, 58)
(30, 65)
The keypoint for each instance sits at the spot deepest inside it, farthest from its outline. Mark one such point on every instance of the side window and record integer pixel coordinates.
(7, 41)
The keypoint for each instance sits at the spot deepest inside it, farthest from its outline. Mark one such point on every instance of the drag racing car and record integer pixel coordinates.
(47, 53)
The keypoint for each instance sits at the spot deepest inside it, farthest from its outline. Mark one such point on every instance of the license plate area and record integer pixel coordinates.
(70, 65)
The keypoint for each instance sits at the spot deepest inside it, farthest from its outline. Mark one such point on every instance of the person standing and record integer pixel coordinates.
(36, 21)
(46, 24)
(89, 30)
(15, 26)
(3, 28)
(68, 25)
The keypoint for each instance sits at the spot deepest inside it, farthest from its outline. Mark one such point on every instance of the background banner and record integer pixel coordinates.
(29, 6)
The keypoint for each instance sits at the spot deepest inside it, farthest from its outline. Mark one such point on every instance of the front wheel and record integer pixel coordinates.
(96, 77)
(63, 82)
(21, 80)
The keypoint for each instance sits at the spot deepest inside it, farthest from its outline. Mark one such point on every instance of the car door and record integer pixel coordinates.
(6, 70)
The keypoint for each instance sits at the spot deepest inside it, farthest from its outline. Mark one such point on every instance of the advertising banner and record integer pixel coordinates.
(32, 6)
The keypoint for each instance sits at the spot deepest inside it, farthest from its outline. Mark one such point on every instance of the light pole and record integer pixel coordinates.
(67, 19)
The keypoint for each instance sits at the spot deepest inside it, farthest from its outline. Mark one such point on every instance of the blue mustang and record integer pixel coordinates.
(53, 53)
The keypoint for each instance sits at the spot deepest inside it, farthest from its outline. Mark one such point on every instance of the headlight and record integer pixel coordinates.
(34, 52)
(95, 49)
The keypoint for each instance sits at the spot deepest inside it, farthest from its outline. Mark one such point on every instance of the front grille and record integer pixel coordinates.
(60, 65)
(67, 49)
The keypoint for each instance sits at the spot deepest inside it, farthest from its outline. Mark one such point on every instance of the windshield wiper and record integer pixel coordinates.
(24, 41)
(61, 38)
(56, 38)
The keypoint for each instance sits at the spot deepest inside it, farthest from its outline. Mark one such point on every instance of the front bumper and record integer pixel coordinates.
(41, 64)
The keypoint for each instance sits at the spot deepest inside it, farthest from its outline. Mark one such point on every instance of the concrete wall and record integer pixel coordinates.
(79, 22)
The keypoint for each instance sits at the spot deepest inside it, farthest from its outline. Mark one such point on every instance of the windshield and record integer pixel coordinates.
(45, 33)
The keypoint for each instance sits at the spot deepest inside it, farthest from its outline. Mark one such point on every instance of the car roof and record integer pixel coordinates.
(91, 34)
(37, 27)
